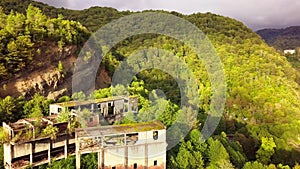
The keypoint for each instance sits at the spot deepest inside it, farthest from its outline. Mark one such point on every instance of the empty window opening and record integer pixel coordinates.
(71, 148)
(132, 138)
(20, 160)
(135, 166)
(155, 135)
(59, 110)
(113, 167)
(155, 163)
(91, 119)
(40, 156)
(56, 152)
(114, 140)
(110, 109)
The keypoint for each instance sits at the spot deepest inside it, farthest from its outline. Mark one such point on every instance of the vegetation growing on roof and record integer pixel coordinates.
(142, 126)
(50, 131)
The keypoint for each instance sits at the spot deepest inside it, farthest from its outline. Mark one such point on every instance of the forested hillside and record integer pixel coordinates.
(21, 36)
(284, 39)
(288, 38)
(260, 127)
(93, 18)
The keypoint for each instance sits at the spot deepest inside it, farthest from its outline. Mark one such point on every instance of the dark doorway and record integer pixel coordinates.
(111, 109)
(135, 166)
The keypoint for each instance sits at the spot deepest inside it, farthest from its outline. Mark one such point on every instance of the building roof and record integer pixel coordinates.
(18, 131)
(23, 123)
(119, 129)
(86, 102)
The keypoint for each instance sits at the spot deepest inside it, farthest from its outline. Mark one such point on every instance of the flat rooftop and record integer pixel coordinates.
(94, 101)
(22, 124)
(119, 129)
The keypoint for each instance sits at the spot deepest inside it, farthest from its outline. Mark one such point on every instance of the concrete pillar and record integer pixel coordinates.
(146, 156)
(8, 155)
(106, 109)
(78, 160)
(126, 152)
(92, 107)
(126, 157)
(31, 154)
(77, 152)
(66, 146)
(49, 156)
(125, 140)
(114, 111)
(49, 151)
(11, 156)
(99, 160)
(102, 158)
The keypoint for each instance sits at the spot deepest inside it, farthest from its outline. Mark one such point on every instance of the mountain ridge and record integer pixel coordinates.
(282, 39)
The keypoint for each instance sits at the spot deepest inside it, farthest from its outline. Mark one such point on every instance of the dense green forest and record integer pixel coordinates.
(260, 127)
(284, 39)
(22, 34)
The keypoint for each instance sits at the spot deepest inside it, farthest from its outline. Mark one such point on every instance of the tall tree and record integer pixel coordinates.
(266, 150)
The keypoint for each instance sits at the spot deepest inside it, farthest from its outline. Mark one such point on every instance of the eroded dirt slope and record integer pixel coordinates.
(42, 75)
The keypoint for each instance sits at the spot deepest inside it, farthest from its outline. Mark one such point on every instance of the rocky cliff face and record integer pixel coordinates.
(43, 76)
(42, 82)
(39, 83)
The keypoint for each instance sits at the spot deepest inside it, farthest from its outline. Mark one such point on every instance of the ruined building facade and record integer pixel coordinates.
(132, 146)
(26, 146)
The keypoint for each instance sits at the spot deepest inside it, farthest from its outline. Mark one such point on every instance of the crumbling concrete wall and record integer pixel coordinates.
(39, 147)
(7, 153)
(54, 109)
(20, 150)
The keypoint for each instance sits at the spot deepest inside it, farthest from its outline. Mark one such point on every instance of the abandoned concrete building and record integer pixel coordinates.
(131, 146)
(26, 147)
(108, 108)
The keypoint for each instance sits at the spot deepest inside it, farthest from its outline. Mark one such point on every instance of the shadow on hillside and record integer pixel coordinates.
(237, 131)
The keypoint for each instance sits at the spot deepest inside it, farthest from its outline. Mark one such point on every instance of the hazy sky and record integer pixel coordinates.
(256, 14)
